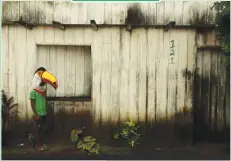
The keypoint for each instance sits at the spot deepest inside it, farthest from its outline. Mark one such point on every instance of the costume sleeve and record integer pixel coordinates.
(32, 95)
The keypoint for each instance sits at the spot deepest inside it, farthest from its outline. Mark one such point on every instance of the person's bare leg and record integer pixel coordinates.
(37, 139)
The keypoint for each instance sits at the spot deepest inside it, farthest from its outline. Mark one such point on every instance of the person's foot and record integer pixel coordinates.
(40, 148)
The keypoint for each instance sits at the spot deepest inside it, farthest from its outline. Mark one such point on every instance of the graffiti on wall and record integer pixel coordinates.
(172, 52)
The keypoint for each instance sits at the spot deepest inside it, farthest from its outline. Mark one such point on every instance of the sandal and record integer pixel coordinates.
(45, 147)
(40, 149)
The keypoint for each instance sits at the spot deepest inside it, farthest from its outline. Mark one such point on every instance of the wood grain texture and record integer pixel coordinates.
(108, 13)
(128, 74)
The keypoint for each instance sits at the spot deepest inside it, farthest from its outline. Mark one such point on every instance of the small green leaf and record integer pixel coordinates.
(116, 136)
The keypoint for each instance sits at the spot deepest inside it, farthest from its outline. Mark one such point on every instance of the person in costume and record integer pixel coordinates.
(38, 101)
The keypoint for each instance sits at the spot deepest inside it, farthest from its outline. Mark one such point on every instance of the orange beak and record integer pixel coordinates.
(50, 79)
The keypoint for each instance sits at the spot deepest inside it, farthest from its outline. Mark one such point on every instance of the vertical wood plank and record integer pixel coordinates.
(106, 76)
(20, 71)
(87, 71)
(164, 65)
(97, 48)
(108, 10)
(169, 15)
(70, 74)
(49, 11)
(31, 51)
(160, 109)
(173, 56)
(53, 66)
(151, 75)
(79, 70)
(152, 11)
(13, 62)
(115, 74)
(191, 66)
(5, 58)
(142, 75)
(61, 51)
(124, 78)
(206, 85)
(58, 11)
(74, 11)
(179, 12)
(181, 69)
(66, 13)
(160, 12)
(123, 12)
(133, 77)
(214, 83)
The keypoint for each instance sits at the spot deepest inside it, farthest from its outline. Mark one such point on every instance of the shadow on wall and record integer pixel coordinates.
(177, 131)
(209, 120)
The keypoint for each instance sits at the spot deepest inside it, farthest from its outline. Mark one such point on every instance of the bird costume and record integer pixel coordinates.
(41, 78)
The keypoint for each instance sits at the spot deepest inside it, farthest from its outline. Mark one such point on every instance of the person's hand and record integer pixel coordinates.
(37, 117)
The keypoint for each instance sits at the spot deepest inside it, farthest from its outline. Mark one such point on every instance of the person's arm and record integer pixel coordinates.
(32, 102)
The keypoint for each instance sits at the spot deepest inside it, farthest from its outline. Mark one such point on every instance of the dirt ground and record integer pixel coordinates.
(68, 151)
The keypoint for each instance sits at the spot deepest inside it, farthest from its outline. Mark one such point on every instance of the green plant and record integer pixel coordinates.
(7, 112)
(129, 132)
(222, 23)
(87, 144)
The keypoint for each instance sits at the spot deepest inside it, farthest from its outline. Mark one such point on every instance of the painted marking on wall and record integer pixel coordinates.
(172, 52)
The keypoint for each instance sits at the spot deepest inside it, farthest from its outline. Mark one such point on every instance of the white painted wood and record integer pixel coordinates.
(5, 59)
(125, 68)
(53, 67)
(169, 14)
(191, 60)
(115, 74)
(13, 62)
(30, 67)
(206, 69)
(97, 50)
(124, 77)
(142, 74)
(20, 74)
(179, 12)
(214, 88)
(164, 65)
(152, 10)
(115, 13)
(70, 72)
(182, 66)
(87, 72)
(151, 73)
(68, 64)
(133, 74)
(160, 12)
(173, 56)
(160, 110)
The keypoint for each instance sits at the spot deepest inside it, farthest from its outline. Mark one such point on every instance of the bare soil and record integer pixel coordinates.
(67, 151)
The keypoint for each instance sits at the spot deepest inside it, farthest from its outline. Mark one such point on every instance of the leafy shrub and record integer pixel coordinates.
(8, 111)
(87, 144)
(129, 132)
(222, 23)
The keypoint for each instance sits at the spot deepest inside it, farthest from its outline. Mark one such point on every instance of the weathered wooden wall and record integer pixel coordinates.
(141, 75)
(134, 74)
(212, 91)
(71, 65)
(184, 13)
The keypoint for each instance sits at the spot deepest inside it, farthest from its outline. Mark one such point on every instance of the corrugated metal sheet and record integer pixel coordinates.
(184, 13)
